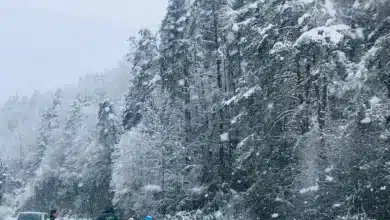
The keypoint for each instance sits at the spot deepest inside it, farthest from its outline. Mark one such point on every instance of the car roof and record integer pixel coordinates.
(32, 213)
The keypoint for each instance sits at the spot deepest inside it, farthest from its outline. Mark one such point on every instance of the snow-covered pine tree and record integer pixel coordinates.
(100, 194)
(49, 123)
(72, 144)
(3, 175)
(145, 73)
(9, 185)
(151, 138)
(109, 131)
(177, 72)
(44, 180)
(139, 172)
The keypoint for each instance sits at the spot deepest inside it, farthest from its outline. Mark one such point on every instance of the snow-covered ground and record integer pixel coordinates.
(6, 213)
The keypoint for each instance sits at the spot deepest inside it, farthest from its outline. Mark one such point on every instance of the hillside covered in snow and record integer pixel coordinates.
(233, 110)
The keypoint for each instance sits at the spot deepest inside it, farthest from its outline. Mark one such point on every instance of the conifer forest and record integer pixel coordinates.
(232, 110)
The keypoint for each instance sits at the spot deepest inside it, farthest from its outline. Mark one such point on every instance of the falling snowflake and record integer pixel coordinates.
(366, 120)
(181, 82)
(327, 170)
(225, 137)
(235, 28)
(329, 178)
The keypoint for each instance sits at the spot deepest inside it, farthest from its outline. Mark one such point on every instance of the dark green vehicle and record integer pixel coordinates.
(32, 216)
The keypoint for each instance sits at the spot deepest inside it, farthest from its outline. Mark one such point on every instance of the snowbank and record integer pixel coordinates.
(6, 213)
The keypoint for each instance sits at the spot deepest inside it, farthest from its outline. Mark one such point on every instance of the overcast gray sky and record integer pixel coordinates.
(48, 43)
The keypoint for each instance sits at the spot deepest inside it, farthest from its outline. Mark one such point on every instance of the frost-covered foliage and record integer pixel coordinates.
(50, 143)
(234, 109)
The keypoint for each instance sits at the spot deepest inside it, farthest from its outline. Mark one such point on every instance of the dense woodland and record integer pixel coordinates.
(234, 109)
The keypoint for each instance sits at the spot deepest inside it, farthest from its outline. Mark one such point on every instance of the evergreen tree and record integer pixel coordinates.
(3, 175)
(100, 195)
(145, 73)
(49, 124)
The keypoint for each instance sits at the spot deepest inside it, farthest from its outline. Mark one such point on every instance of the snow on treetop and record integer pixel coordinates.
(331, 35)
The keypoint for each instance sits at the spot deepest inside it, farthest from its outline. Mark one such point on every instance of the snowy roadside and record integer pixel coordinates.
(6, 213)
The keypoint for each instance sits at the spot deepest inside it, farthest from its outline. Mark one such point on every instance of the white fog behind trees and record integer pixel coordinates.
(234, 109)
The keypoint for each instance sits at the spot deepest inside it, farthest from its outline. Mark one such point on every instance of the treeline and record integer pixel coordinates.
(235, 110)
